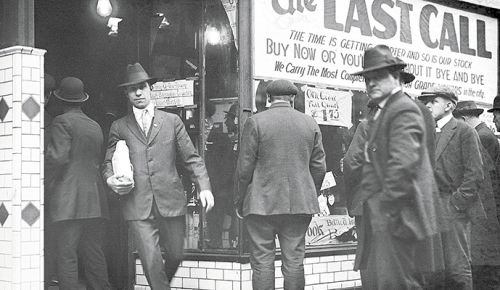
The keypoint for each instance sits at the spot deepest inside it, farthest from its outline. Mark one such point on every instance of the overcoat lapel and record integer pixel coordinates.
(377, 123)
(134, 128)
(155, 127)
(446, 133)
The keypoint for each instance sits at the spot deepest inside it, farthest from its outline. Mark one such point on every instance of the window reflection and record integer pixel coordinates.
(220, 158)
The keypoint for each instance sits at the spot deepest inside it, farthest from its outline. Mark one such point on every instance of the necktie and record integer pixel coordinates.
(437, 134)
(145, 121)
(373, 108)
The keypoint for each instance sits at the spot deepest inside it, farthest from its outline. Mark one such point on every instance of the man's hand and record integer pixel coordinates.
(207, 199)
(119, 184)
(323, 207)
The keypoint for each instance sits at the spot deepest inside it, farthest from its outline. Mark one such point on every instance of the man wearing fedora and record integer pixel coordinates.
(485, 231)
(458, 172)
(281, 166)
(393, 205)
(154, 203)
(77, 199)
(496, 112)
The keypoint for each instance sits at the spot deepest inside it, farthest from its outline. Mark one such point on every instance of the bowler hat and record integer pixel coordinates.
(438, 92)
(467, 108)
(71, 90)
(496, 104)
(380, 57)
(135, 74)
(233, 110)
(281, 88)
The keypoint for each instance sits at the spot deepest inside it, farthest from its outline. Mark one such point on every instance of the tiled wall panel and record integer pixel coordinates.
(21, 173)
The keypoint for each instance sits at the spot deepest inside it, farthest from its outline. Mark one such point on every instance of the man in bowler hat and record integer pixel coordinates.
(393, 205)
(281, 166)
(458, 172)
(77, 199)
(154, 203)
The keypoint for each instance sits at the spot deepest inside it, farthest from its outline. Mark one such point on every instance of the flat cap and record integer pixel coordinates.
(281, 88)
(439, 91)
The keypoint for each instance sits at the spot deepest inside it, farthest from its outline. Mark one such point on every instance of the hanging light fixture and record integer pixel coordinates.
(164, 22)
(113, 25)
(104, 8)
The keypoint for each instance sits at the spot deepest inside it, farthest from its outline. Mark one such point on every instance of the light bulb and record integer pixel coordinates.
(104, 8)
(212, 35)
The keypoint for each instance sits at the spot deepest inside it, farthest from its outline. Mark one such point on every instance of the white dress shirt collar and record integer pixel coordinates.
(138, 112)
(443, 121)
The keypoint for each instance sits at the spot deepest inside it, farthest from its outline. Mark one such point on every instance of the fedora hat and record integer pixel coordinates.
(71, 90)
(467, 108)
(233, 110)
(380, 57)
(496, 104)
(135, 74)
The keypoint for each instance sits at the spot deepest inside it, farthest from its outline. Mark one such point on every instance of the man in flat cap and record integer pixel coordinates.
(393, 204)
(281, 166)
(485, 231)
(154, 203)
(458, 172)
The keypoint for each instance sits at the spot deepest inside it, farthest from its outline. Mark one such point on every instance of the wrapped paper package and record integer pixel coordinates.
(121, 162)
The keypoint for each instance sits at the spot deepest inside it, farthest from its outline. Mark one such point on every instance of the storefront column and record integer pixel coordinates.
(21, 168)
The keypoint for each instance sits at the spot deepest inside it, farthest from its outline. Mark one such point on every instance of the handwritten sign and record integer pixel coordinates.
(176, 93)
(328, 107)
(323, 42)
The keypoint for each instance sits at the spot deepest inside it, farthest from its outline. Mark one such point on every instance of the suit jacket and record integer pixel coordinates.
(73, 157)
(397, 181)
(154, 160)
(281, 164)
(459, 168)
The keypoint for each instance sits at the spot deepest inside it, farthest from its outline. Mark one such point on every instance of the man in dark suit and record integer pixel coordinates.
(485, 231)
(154, 203)
(281, 166)
(394, 204)
(458, 172)
(77, 200)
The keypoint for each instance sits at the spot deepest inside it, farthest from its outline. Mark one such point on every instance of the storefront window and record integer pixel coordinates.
(194, 56)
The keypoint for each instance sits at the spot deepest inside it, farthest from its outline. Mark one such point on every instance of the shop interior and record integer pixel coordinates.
(191, 47)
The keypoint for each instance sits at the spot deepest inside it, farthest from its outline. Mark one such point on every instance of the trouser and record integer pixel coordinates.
(387, 262)
(456, 247)
(150, 236)
(291, 230)
(84, 237)
(486, 277)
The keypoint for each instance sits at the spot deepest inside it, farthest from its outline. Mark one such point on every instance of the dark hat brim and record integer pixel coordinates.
(149, 80)
(493, 109)
(468, 112)
(407, 77)
(83, 97)
(393, 66)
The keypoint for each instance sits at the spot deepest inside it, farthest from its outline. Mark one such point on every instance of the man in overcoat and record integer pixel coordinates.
(154, 204)
(281, 166)
(394, 203)
(485, 231)
(458, 173)
(77, 200)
